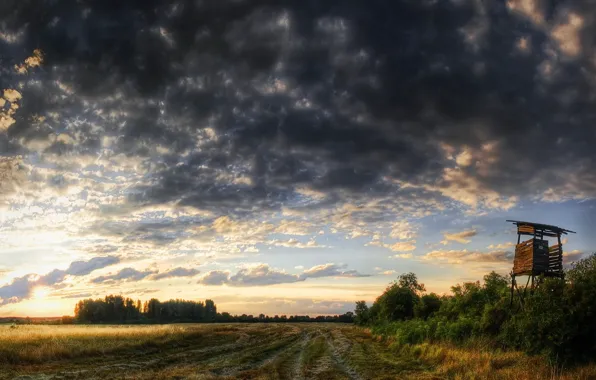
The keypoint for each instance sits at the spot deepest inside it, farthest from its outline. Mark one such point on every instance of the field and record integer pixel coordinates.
(246, 351)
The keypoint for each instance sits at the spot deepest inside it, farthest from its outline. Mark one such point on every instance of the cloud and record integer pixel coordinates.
(81, 268)
(501, 246)
(302, 139)
(388, 272)
(403, 256)
(263, 275)
(330, 270)
(78, 268)
(21, 288)
(572, 256)
(176, 272)
(77, 295)
(294, 243)
(465, 256)
(460, 237)
(260, 275)
(403, 230)
(402, 246)
(215, 277)
(293, 227)
(124, 275)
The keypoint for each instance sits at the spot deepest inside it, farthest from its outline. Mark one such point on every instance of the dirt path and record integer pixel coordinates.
(240, 351)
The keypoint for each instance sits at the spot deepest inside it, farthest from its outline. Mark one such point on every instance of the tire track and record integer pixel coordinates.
(339, 353)
(265, 356)
(271, 351)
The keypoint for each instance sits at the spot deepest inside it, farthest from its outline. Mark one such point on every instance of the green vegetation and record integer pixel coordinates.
(557, 321)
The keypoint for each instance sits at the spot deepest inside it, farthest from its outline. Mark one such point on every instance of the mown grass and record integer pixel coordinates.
(255, 351)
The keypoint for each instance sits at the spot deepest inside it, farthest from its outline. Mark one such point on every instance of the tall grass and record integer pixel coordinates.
(36, 344)
(475, 358)
(480, 362)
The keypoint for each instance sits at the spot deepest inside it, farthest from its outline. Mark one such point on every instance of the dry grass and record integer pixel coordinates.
(450, 362)
(37, 344)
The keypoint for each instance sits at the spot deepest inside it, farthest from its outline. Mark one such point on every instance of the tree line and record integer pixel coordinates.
(118, 309)
(557, 319)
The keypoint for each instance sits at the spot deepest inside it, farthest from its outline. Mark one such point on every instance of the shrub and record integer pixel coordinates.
(558, 318)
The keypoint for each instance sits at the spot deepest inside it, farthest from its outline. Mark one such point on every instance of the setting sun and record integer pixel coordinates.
(41, 292)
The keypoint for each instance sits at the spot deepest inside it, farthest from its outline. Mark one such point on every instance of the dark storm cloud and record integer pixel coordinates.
(333, 95)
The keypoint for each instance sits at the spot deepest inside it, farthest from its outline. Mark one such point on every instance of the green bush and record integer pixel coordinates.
(558, 318)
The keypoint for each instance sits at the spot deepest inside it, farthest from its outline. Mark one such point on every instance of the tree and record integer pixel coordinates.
(210, 311)
(429, 304)
(495, 286)
(396, 303)
(362, 313)
(398, 300)
(410, 281)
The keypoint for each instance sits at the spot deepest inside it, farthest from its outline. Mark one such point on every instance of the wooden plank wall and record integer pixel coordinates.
(525, 229)
(529, 260)
(524, 257)
(555, 258)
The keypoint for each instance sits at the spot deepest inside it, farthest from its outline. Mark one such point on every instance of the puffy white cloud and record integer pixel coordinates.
(403, 230)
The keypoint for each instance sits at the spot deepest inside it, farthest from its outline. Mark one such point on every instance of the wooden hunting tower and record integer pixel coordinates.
(534, 257)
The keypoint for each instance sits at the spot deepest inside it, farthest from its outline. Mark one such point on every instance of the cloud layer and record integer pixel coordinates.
(239, 105)
(263, 274)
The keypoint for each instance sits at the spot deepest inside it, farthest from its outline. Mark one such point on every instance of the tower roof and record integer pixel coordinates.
(547, 228)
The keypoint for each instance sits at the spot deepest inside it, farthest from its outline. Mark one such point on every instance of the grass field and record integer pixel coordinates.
(247, 351)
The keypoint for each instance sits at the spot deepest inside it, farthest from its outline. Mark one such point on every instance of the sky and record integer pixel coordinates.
(286, 157)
